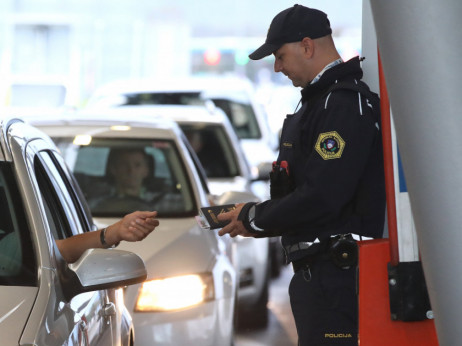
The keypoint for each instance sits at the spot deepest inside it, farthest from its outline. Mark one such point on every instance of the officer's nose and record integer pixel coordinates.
(277, 66)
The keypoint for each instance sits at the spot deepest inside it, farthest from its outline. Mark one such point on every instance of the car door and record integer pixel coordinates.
(67, 215)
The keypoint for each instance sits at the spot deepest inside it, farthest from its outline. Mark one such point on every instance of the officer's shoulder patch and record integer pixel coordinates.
(330, 145)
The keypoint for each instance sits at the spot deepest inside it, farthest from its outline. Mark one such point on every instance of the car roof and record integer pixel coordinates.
(210, 87)
(118, 119)
(190, 115)
(181, 113)
(12, 126)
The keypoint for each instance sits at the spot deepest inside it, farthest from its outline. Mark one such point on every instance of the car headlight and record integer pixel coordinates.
(175, 293)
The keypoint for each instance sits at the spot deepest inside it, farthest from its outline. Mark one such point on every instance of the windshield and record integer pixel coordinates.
(213, 149)
(17, 257)
(163, 98)
(119, 176)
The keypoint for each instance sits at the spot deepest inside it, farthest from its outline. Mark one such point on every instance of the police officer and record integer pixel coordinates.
(327, 184)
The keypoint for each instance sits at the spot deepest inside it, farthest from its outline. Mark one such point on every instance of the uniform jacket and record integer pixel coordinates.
(333, 146)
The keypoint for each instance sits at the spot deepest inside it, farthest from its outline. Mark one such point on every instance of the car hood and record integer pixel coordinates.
(15, 309)
(175, 247)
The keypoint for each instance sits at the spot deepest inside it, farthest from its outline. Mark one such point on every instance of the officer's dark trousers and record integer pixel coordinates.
(324, 304)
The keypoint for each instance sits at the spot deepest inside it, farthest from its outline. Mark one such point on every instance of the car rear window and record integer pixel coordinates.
(122, 175)
(163, 98)
(17, 257)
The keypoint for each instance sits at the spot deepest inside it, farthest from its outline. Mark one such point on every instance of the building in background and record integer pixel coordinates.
(56, 52)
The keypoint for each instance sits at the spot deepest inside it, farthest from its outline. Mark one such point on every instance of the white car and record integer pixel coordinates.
(189, 296)
(216, 145)
(44, 300)
(235, 96)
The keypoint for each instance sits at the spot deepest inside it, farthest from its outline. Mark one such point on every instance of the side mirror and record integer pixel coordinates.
(99, 269)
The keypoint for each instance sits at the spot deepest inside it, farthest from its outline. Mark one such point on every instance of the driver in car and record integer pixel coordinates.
(127, 171)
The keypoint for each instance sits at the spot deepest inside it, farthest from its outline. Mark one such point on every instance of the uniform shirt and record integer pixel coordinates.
(334, 149)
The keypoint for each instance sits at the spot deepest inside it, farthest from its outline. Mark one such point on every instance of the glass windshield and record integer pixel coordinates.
(163, 98)
(213, 149)
(119, 176)
(17, 258)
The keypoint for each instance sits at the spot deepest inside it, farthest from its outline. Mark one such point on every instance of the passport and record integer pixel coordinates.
(208, 216)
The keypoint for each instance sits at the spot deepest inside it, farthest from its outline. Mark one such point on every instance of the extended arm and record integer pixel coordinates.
(132, 227)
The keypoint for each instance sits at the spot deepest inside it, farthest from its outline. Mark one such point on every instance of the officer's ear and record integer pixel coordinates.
(308, 47)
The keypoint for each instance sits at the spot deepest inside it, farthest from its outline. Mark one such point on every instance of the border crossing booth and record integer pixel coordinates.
(409, 282)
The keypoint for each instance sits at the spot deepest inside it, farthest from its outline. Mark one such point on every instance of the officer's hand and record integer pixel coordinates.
(235, 227)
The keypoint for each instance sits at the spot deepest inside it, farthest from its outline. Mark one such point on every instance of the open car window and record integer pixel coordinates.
(61, 202)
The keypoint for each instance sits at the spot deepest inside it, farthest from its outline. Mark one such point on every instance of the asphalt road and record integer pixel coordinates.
(281, 328)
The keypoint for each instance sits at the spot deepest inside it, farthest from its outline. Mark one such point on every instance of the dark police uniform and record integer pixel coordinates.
(333, 147)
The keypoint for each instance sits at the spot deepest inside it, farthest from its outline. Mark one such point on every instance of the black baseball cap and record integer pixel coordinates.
(292, 25)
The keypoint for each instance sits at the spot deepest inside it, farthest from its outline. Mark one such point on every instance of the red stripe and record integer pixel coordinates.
(388, 163)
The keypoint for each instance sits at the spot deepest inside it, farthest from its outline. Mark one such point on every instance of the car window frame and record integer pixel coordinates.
(52, 190)
(197, 164)
(47, 172)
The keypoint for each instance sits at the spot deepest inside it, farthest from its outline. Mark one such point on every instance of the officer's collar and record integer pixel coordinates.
(328, 66)
(348, 69)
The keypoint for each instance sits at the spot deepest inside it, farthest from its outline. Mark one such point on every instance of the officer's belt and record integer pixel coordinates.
(304, 245)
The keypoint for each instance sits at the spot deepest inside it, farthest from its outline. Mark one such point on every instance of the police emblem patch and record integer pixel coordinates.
(330, 145)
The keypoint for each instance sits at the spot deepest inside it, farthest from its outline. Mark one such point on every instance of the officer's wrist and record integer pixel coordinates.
(251, 218)
(247, 217)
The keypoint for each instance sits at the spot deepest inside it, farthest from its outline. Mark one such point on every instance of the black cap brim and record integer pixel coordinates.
(265, 50)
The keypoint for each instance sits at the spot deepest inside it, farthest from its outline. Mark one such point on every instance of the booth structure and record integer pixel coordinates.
(409, 283)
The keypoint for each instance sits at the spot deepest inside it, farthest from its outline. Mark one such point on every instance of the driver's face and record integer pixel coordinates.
(129, 171)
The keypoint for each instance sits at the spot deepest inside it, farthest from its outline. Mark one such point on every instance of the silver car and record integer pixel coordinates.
(190, 292)
(45, 301)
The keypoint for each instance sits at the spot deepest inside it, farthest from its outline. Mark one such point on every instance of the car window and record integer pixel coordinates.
(77, 194)
(62, 205)
(241, 116)
(163, 98)
(197, 164)
(119, 176)
(214, 150)
(17, 256)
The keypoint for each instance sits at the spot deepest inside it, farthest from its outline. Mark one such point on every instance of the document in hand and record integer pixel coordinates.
(207, 218)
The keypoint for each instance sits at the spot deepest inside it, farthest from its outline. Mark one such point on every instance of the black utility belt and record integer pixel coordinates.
(341, 249)
(305, 245)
